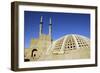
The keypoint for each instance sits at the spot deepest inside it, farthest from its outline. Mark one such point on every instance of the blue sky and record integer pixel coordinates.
(62, 24)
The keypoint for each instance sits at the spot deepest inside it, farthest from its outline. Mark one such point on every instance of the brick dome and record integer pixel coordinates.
(69, 42)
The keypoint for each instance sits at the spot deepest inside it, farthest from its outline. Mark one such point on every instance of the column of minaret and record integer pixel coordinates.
(41, 26)
(50, 27)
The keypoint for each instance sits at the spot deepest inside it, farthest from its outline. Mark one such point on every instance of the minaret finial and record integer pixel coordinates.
(41, 19)
(50, 21)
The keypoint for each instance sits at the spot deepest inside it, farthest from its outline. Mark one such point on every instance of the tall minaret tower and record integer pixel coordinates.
(50, 27)
(41, 26)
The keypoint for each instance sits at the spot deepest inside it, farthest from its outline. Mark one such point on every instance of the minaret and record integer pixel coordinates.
(50, 27)
(41, 25)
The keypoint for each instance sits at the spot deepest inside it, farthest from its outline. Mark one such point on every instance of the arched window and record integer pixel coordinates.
(32, 53)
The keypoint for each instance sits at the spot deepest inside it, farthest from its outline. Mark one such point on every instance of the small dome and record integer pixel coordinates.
(69, 42)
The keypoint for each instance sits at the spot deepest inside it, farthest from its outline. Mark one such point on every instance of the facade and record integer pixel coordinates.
(39, 46)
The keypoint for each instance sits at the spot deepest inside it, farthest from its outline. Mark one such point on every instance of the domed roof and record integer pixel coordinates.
(69, 42)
